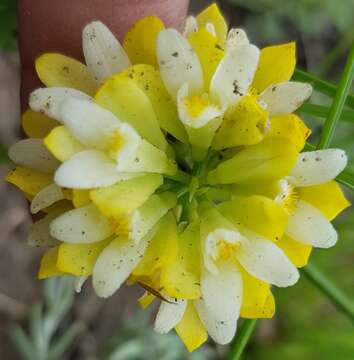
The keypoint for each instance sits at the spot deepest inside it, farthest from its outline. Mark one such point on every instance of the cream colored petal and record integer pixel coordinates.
(236, 37)
(89, 169)
(46, 197)
(186, 109)
(115, 264)
(190, 26)
(234, 75)
(309, 226)
(49, 100)
(318, 167)
(286, 97)
(178, 63)
(169, 315)
(33, 154)
(104, 55)
(81, 226)
(265, 261)
(88, 122)
(219, 308)
(39, 233)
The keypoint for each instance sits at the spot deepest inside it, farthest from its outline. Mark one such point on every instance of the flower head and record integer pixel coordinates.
(174, 161)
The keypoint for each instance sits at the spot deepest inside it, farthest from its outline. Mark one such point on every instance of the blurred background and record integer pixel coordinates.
(306, 326)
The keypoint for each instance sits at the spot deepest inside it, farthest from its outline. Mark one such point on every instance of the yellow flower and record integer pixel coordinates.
(174, 161)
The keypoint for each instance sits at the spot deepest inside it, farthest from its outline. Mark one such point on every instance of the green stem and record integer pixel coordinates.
(330, 289)
(322, 86)
(338, 102)
(323, 111)
(240, 342)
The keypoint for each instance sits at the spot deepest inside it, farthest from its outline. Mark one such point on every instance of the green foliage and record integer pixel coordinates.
(43, 341)
(270, 19)
(136, 340)
(8, 24)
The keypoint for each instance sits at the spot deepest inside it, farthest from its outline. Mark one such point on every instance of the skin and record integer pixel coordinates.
(47, 26)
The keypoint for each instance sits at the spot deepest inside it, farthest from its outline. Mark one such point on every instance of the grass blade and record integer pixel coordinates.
(338, 102)
(321, 86)
(330, 289)
(323, 111)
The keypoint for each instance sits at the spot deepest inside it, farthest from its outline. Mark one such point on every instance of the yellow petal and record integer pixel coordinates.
(29, 181)
(269, 160)
(79, 259)
(328, 198)
(146, 299)
(149, 81)
(181, 278)
(255, 293)
(261, 312)
(244, 124)
(257, 213)
(117, 202)
(37, 125)
(124, 98)
(81, 197)
(298, 253)
(48, 266)
(290, 127)
(213, 15)
(191, 330)
(62, 144)
(59, 70)
(140, 41)
(209, 53)
(162, 249)
(276, 64)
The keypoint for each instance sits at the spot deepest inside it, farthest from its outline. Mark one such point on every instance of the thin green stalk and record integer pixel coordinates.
(338, 102)
(240, 342)
(329, 288)
(322, 86)
(323, 111)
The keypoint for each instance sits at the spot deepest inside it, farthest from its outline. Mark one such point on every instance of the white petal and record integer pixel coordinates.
(212, 243)
(234, 74)
(285, 97)
(219, 309)
(46, 197)
(33, 154)
(210, 28)
(309, 226)
(49, 100)
(39, 233)
(79, 282)
(209, 112)
(190, 26)
(104, 55)
(236, 37)
(115, 264)
(265, 261)
(81, 226)
(91, 124)
(178, 63)
(89, 169)
(318, 167)
(169, 315)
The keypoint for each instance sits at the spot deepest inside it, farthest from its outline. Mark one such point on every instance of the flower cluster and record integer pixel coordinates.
(175, 161)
